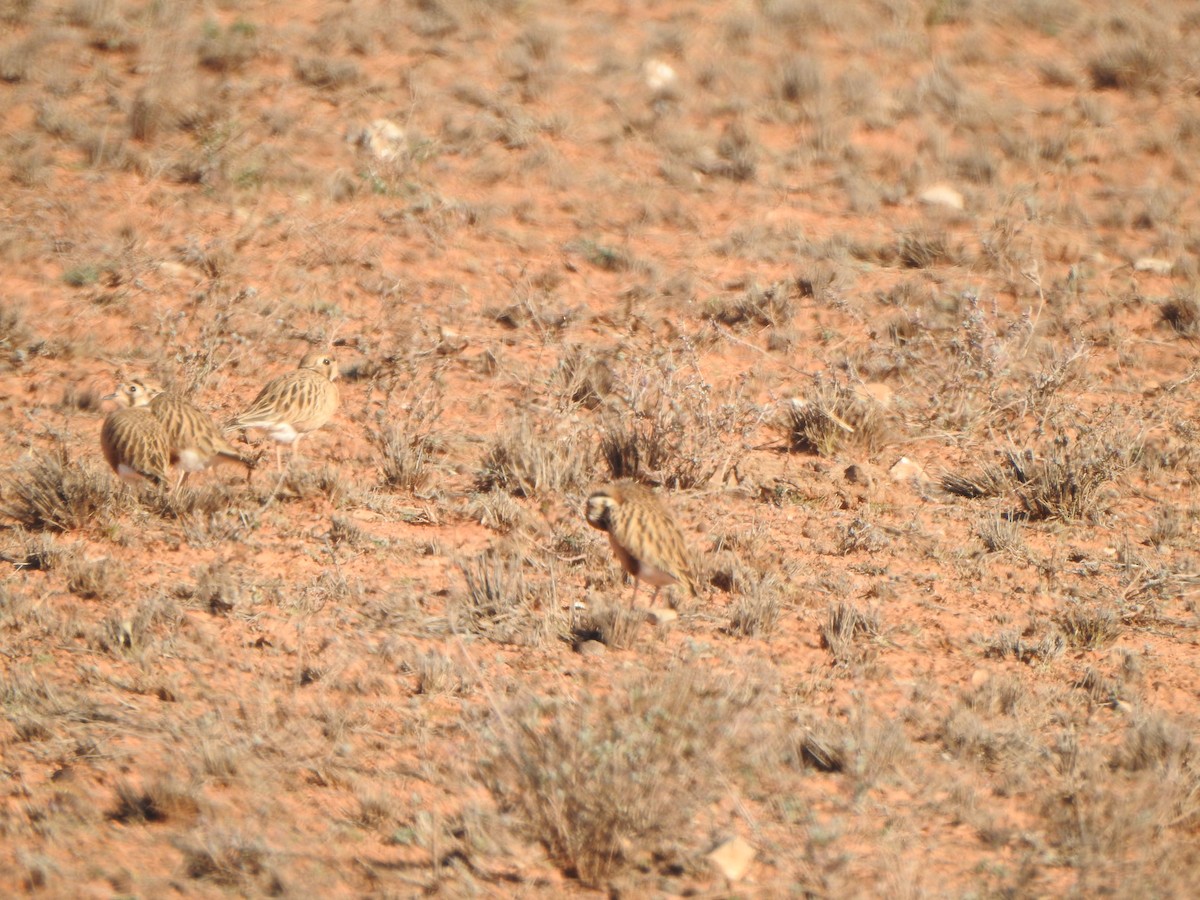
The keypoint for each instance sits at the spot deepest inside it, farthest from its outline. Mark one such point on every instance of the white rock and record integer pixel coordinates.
(661, 616)
(941, 195)
(173, 269)
(1153, 265)
(659, 76)
(905, 470)
(384, 139)
(733, 858)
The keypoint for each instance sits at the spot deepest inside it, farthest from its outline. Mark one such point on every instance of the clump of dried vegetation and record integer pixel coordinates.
(834, 416)
(506, 602)
(52, 493)
(1063, 482)
(663, 425)
(606, 783)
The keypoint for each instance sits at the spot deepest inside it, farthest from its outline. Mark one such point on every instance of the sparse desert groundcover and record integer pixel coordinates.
(896, 303)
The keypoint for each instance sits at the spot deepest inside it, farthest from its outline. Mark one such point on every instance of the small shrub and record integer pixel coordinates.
(1182, 314)
(1155, 743)
(832, 416)
(613, 623)
(228, 49)
(104, 579)
(664, 427)
(1088, 626)
(771, 307)
(529, 461)
(52, 494)
(849, 633)
(501, 603)
(591, 778)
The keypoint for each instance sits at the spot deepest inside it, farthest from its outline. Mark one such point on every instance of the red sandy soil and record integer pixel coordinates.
(290, 687)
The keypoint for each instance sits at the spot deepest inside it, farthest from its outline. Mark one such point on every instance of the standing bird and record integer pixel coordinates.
(135, 444)
(290, 406)
(643, 535)
(193, 439)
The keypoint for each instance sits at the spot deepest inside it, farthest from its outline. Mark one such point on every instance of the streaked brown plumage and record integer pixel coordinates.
(643, 535)
(193, 439)
(290, 406)
(135, 445)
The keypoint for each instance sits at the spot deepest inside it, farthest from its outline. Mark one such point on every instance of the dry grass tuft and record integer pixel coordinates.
(1182, 314)
(162, 801)
(613, 623)
(581, 377)
(230, 859)
(835, 416)
(609, 779)
(103, 579)
(664, 427)
(406, 452)
(503, 602)
(52, 494)
(770, 307)
(759, 604)
(850, 634)
(1064, 483)
(1129, 64)
(1088, 626)
(528, 460)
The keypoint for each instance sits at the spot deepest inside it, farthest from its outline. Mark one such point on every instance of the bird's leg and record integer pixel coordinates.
(633, 599)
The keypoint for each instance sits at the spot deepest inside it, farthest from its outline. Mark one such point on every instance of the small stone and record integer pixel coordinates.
(662, 616)
(907, 470)
(660, 77)
(384, 139)
(980, 677)
(941, 195)
(592, 648)
(1153, 265)
(733, 858)
(173, 269)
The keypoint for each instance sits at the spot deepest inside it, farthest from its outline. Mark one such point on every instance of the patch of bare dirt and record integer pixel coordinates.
(753, 255)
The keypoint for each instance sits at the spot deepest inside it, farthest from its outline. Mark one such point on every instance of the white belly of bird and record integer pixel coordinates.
(283, 433)
(191, 461)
